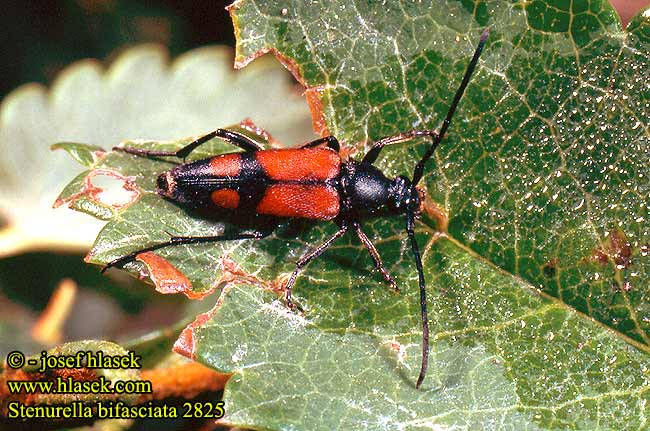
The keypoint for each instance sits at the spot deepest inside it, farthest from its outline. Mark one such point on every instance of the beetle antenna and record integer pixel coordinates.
(419, 168)
(410, 222)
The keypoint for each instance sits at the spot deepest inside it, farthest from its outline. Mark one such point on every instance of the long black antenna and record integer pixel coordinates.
(410, 229)
(410, 213)
(419, 168)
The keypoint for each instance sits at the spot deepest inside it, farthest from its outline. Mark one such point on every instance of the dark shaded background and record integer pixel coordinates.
(40, 37)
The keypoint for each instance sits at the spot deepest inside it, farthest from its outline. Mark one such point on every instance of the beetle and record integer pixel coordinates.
(262, 188)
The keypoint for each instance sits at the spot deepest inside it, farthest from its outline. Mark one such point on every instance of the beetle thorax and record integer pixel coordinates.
(368, 193)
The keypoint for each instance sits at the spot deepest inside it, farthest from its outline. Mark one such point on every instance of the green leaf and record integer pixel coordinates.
(85, 155)
(502, 357)
(538, 288)
(544, 172)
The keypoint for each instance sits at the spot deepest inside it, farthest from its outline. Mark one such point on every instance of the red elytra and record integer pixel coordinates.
(225, 165)
(300, 164)
(300, 200)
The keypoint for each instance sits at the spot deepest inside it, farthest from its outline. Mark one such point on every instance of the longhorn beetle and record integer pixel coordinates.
(308, 182)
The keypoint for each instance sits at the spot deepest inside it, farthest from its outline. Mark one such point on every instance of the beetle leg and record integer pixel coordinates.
(373, 153)
(308, 258)
(375, 257)
(329, 141)
(237, 139)
(179, 240)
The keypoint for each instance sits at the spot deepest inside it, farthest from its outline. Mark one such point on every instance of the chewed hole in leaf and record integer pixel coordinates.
(105, 187)
(112, 189)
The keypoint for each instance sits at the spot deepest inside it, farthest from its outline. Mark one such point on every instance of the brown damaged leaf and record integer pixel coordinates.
(186, 344)
(168, 279)
(231, 274)
(185, 381)
(616, 248)
(314, 96)
(165, 276)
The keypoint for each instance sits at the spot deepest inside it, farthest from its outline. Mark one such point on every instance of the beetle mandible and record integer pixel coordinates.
(308, 182)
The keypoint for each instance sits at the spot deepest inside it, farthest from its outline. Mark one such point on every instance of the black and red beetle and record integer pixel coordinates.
(266, 187)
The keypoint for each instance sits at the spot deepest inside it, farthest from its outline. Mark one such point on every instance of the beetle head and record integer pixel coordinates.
(166, 185)
(402, 194)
